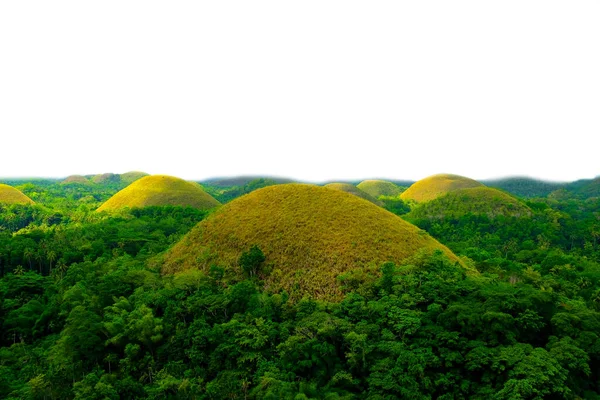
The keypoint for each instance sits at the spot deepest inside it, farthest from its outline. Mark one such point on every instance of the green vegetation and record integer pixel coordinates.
(76, 179)
(132, 176)
(473, 201)
(377, 188)
(309, 235)
(525, 187)
(223, 193)
(10, 195)
(437, 185)
(86, 311)
(160, 190)
(348, 188)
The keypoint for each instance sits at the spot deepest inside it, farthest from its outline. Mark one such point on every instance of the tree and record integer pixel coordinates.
(251, 260)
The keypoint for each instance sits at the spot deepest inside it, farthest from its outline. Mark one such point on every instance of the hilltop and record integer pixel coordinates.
(76, 179)
(348, 188)
(158, 190)
(437, 185)
(525, 187)
(376, 188)
(475, 201)
(10, 195)
(132, 176)
(309, 235)
(242, 180)
(106, 178)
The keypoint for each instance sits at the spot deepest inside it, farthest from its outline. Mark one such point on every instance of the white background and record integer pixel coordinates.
(312, 90)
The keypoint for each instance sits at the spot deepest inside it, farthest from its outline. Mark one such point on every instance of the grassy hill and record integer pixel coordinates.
(10, 195)
(376, 188)
(309, 235)
(132, 176)
(437, 185)
(106, 178)
(76, 179)
(242, 180)
(476, 201)
(158, 190)
(525, 187)
(348, 188)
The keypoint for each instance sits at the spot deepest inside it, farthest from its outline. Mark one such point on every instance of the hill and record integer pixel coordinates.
(525, 187)
(242, 180)
(76, 179)
(437, 185)
(158, 190)
(10, 195)
(309, 235)
(376, 188)
(106, 178)
(585, 188)
(475, 201)
(132, 176)
(348, 188)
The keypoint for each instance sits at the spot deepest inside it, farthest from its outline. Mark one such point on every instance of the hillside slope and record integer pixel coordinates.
(309, 235)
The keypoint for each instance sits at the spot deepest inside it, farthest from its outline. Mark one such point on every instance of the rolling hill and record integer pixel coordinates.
(475, 201)
(309, 235)
(525, 187)
(10, 195)
(437, 185)
(348, 188)
(132, 176)
(159, 190)
(76, 179)
(376, 188)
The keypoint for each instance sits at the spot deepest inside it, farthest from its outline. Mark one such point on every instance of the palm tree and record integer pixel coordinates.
(19, 270)
(29, 254)
(51, 255)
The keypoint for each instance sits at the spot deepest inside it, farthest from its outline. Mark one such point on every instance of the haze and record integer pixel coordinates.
(310, 90)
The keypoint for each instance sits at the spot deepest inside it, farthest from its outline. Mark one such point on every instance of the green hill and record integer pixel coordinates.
(525, 187)
(10, 195)
(159, 190)
(376, 188)
(437, 185)
(348, 188)
(132, 176)
(476, 201)
(76, 179)
(106, 178)
(309, 235)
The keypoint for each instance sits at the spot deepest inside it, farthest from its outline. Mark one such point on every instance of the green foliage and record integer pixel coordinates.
(250, 261)
(86, 314)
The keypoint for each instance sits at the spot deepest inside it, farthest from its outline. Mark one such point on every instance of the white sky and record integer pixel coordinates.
(313, 90)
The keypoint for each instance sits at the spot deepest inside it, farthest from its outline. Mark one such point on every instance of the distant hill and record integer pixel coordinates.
(585, 188)
(106, 178)
(132, 176)
(377, 187)
(309, 235)
(241, 181)
(435, 186)
(348, 188)
(475, 201)
(160, 190)
(10, 195)
(525, 187)
(76, 179)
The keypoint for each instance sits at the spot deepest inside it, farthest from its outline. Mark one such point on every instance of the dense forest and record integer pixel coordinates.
(87, 312)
